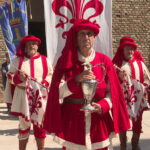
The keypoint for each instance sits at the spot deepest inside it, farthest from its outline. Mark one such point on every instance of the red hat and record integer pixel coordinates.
(86, 25)
(127, 43)
(69, 52)
(119, 57)
(126, 38)
(20, 51)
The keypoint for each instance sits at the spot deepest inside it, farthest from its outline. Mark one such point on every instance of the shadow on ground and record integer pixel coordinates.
(8, 117)
(5, 116)
(144, 144)
(3, 107)
(9, 132)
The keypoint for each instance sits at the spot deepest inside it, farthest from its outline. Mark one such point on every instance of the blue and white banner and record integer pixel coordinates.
(16, 23)
(7, 33)
(58, 19)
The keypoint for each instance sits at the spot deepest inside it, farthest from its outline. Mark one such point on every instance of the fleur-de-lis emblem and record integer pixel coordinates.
(34, 101)
(77, 8)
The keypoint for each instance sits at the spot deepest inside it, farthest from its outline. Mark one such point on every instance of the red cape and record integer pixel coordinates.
(69, 57)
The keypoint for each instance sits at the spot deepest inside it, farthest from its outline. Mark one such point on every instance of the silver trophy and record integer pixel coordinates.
(89, 88)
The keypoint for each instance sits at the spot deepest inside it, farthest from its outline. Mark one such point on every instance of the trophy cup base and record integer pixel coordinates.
(88, 107)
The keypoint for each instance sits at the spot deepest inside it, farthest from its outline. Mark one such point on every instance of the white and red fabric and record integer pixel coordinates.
(137, 83)
(29, 99)
(36, 97)
(60, 15)
(24, 129)
(135, 95)
(71, 127)
(79, 129)
(136, 86)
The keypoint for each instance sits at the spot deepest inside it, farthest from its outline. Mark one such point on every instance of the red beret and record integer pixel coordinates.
(30, 38)
(126, 38)
(27, 38)
(127, 43)
(86, 25)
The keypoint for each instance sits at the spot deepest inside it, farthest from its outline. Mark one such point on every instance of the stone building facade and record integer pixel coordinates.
(2, 59)
(132, 18)
(129, 18)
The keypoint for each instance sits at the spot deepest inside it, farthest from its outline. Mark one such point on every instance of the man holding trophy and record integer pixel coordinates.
(90, 90)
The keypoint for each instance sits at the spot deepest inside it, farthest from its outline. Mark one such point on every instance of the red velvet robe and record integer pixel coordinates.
(74, 128)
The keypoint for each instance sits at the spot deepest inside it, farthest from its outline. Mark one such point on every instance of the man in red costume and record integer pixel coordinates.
(67, 122)
(28, 64)
(131, 66)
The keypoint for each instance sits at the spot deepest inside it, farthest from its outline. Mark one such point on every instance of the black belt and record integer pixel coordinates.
(79, 101)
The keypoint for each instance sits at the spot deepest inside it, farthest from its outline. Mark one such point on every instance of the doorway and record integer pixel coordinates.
(38, 29)
(36, 25)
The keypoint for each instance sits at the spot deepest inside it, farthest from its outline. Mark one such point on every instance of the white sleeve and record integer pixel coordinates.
(146, 74)
(64, 90)
(108, 95)
(50, 72)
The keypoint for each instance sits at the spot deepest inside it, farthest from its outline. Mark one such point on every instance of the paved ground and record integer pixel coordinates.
(8, 134)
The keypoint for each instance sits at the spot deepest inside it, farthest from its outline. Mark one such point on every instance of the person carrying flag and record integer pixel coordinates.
(135, 80)
(29, 64)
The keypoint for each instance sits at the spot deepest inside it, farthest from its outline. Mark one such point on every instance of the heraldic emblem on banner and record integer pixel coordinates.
(77, 8)
(60, 15)
(36, 97)
(135, 95)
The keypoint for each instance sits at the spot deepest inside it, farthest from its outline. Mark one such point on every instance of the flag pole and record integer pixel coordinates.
(29, 77)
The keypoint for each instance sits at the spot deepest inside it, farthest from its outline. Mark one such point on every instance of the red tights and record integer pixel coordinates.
(137, 125)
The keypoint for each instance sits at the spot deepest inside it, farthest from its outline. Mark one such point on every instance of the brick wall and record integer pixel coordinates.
(2, 59)
(130, 18)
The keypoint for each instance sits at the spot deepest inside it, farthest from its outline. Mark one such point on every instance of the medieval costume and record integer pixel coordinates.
(71, 127)
(26, 105)
(134, 86)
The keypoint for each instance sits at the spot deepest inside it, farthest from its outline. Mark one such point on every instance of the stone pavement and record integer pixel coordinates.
(9, 141)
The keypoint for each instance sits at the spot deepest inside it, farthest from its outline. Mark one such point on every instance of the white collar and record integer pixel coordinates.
(86, 59)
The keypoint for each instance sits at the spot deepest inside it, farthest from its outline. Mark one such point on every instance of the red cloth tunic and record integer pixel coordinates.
(85, 130)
